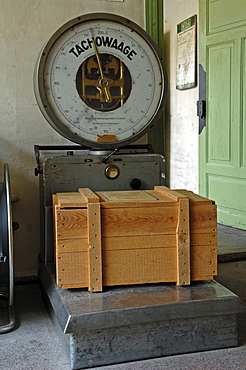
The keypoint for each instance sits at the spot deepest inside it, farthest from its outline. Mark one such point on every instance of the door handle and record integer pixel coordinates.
(201, 108)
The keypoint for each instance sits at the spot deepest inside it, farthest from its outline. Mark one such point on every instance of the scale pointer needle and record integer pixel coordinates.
(103, 81)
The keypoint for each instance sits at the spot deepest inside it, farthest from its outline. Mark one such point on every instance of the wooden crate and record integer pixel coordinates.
(133, 237)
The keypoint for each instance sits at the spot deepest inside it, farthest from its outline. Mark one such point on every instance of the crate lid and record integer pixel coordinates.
(159, 197)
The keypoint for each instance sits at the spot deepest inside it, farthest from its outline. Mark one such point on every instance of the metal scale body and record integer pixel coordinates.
(100, 81)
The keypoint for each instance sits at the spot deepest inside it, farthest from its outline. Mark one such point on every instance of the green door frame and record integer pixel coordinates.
(154, 27)
(154, 20)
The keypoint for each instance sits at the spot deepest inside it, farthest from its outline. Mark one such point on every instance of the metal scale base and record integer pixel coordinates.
(131, 323)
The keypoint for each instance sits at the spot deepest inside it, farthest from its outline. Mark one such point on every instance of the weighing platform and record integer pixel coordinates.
(139, 322)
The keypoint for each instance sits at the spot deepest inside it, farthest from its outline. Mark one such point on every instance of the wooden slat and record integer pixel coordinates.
(183, 243)
(203, 262)
(139, 204)
(203, 219)
(139, 242)
(88, 195)
(162, 196)
(71, 194)
(203, 277)
(136, 242)
(127, 196)
(95, 248)
(54, 202)
(136, 266)
(203, 239)
(195, 198)
(173, 194)
(71, 223)
(74, 199)
(72, 202)
(139, 221)
(54, 199)
(72, 270)
(72, 245)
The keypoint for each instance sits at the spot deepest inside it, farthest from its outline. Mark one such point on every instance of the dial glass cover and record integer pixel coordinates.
(100, 81)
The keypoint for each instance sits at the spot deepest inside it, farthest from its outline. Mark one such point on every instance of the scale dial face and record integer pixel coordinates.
(100, 81)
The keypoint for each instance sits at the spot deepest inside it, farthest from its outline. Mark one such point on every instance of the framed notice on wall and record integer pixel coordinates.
(186, 54)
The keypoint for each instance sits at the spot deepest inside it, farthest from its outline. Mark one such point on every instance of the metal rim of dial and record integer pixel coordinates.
(120, 109)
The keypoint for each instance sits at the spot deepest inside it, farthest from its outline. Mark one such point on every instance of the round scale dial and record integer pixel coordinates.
(100, 81)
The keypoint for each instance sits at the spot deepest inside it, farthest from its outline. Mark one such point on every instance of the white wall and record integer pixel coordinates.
(25, 25)
(181, 120)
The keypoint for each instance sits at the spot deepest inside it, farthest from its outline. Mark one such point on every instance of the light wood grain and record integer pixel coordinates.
(127, 196)
(139, 266)
(73, 245)
(173, 194)
(203, 239)
(183, 243)
(72, 270)
(139, 242)
(139, 221)
(88, 195)
(95, 248)
(203, 219)
(203, 262)
(195, 198)
(65, 200)
(72, 223)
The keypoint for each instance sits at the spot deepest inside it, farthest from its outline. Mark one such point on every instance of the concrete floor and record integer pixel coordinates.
(34, 343)
(231, 244)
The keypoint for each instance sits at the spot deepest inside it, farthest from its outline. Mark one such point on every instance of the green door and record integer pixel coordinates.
(222, 55)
